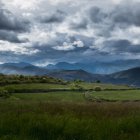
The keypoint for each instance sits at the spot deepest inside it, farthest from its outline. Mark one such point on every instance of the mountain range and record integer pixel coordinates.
(97, 67)
(129, 77)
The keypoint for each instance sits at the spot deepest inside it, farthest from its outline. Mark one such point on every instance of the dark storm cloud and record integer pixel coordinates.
(126, 14)
(122, 15)
(11, 37)
(10, 22)
(48, 50)
(56, 17)
(56, 55)
(121, 46)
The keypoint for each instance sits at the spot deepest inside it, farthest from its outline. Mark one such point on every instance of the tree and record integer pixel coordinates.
(98, 81)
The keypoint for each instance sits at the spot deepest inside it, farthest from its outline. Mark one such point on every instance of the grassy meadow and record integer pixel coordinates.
(46, 87)
(63, 111)
(127, 95)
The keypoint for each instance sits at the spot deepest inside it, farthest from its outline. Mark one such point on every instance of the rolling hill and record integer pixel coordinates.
(74, 74)
(127, 77)
(130, 77)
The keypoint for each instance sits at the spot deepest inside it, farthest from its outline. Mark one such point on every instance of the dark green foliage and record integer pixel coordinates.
(4, 94)
(98, 81)
(78, 81)
(21, 79)
(98, 89)
(79, 87)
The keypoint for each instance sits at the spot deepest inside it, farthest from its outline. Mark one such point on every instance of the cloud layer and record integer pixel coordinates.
(43, 32)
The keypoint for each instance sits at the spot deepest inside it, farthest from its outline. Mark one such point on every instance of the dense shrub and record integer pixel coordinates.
(4, 94)
(76, 87)
(79, 87)
(98, 81)
(21, 79)
(98, 89)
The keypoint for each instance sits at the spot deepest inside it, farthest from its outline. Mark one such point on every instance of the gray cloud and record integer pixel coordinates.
(49, 50)
(79, 26)
(11, 37)
(56, 17)
(97, 15)
(79, 31)
(122, 15)
(10, 22)
(126, 14)
(121, 46)
(73, 43)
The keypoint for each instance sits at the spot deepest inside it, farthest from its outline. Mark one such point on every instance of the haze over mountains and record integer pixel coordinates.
(68, 71)
(97, 66)
(21, 68)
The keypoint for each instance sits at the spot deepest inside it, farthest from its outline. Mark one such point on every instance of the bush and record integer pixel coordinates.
(98, 89)
(98, 81)
(4, 94)
(11, 89)
(79, 87)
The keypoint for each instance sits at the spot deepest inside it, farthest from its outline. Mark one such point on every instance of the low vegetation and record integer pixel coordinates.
(98, 89)
(4, 94)
(40, 108)
(20, 79)
(67, 116)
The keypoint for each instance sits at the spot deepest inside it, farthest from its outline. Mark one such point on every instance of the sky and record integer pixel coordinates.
(50, 31)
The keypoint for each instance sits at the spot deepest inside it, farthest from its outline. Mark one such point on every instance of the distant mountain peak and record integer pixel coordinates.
(18, 64)
(96, 67)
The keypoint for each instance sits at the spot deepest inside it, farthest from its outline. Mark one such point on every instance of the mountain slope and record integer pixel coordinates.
(21, 68)
(97, 67)
(80, 75)
(73, 75)
(130, 77)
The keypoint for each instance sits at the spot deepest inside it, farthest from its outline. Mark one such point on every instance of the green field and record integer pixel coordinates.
(130, 95)
(44, 87)
(103, 86)
(69, 96)
(69, 115)
(73, 96)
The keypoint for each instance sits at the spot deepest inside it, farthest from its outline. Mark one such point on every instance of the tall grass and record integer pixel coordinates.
(21, 120)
